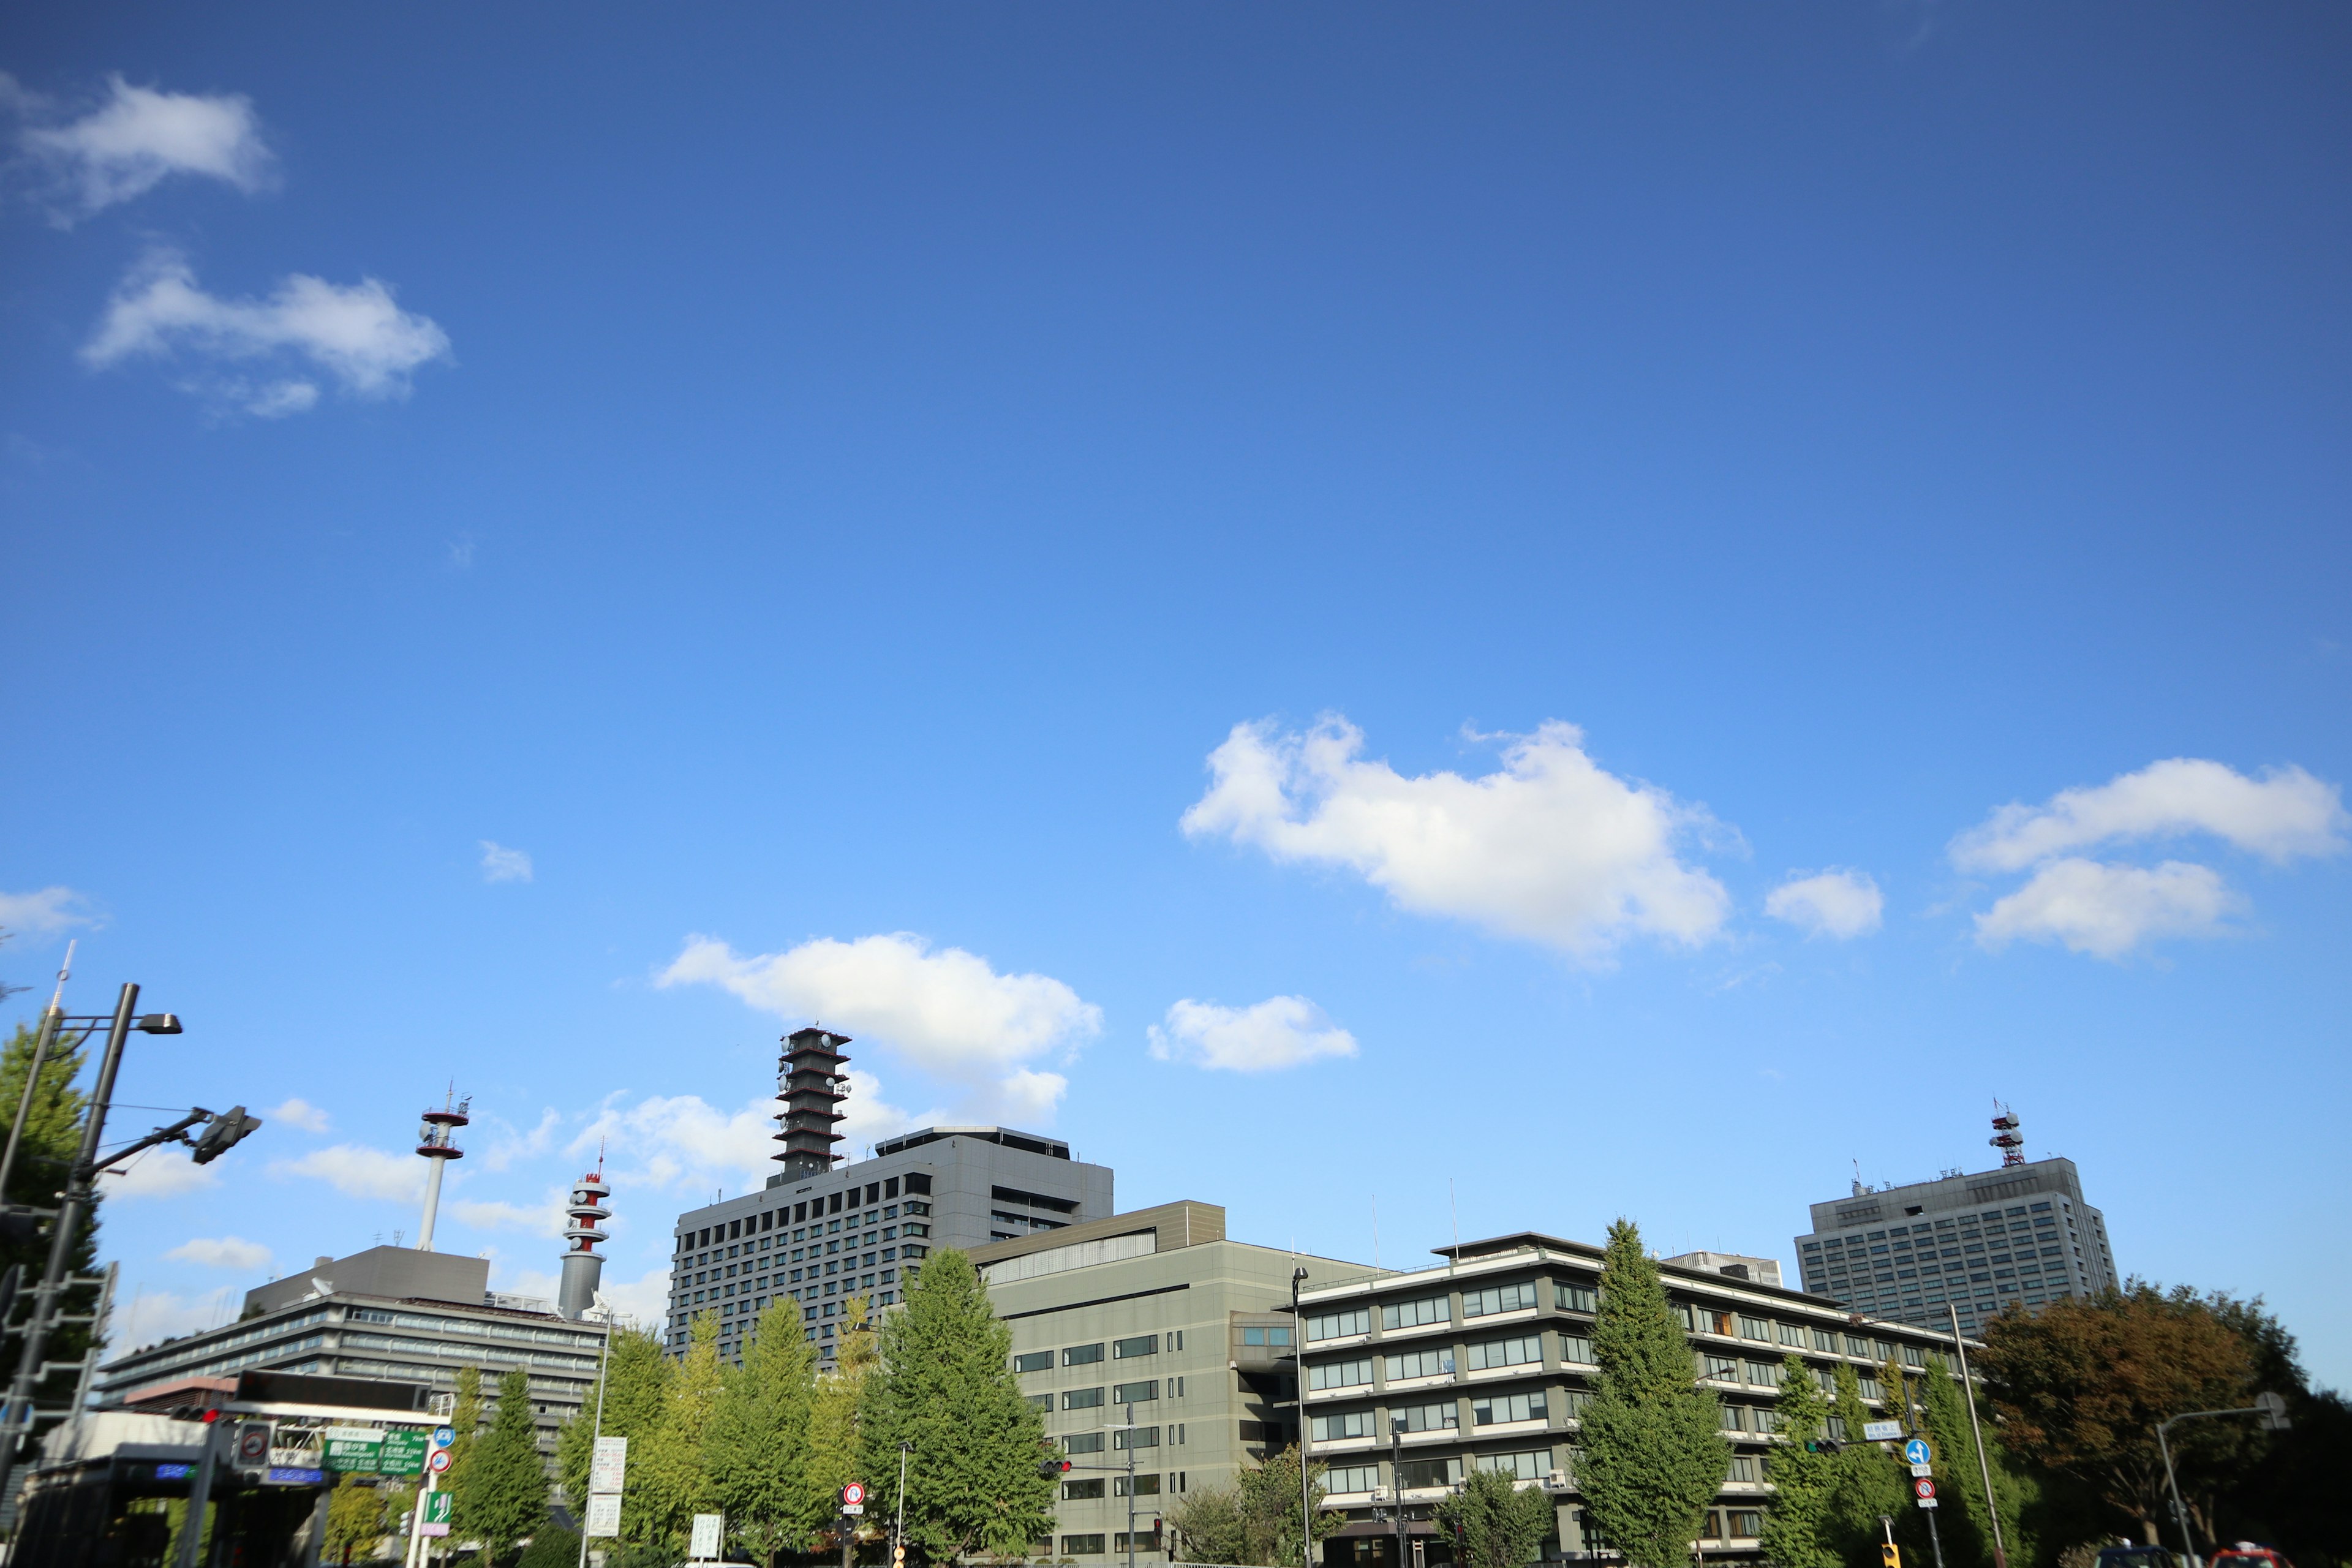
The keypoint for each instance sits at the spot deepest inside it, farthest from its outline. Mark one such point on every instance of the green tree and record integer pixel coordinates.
(835, 1455)
(946, 1390)
(354, 1520)
(502, 1490)
(2081, 1386)
(758, 1446)
(1864, 1483)
(1499, 1525)
(1654, 1454)
(550, 1547)
(1271, 1506)
(1966, 1520)
(1797, 1522)
(52, 1138)
(636, 1392)
(1207, 1521)
(678, 1483)
(465, 1421)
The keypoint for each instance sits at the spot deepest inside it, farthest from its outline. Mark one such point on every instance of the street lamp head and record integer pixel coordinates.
(160, 1024)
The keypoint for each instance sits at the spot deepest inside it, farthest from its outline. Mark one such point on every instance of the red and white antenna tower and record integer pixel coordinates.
(2005, 1135)
(584, 1265)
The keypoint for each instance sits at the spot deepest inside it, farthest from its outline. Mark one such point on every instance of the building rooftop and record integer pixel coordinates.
(1052, 1148)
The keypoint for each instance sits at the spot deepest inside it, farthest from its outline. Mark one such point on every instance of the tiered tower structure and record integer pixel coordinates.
(810, 1086)
(437, 1141)
(2006, 1137)
(584, 1265)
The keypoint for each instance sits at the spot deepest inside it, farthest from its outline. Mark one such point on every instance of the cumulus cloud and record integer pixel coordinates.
(359, 1171)
(1834, 903)
(222, 1252)
(158, 1174)
(49, 909)
(355, 336)
(683, 1141)
(1552, 847)
(2106, 910)
(136, 139)
(153, 1315)
(299, 1113)
(503, 865)
(644, 1301)
(2285, 813)
(948, 1010)
(546, 1219)
(1279, 1032)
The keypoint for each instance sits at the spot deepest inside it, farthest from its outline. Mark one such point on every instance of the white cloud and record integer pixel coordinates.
(682, 1142)
(547, 1219)
(2108, 911)
(222, 1252)
(1834, 903)
(1552, 847)
(153, 1315)
(139, 137)
(158, 1174)
(49, 909)
(356, 336)
(359, 1171)
(509, 1145)
(298, 1113)
(1279, 1032)
(2285, 813)
(643, 1301)
(948, 1010)
(503, 865)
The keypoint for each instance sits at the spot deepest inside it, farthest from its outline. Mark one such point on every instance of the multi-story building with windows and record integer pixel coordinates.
(1486, 1362)
(1974, 1243)
(391, 1314)
(1160, 1354)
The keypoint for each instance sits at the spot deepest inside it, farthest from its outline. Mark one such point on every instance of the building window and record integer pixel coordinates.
(1531, 1466)
(1337, 1325)
(1145, 1486)
(1082, 1545)
(1081, 1491)
(1081, 1355)
(1764, 1374)
(1743, 1467)
(1414, 1474)
(1419, 1364)
(1729, 1417)
(1082, 1443)
(1136, 1438)
(1142, 1344)
(1722, 1368)
(1413, 1314)
(1144, 1542)
(1038, 1401)
(1525, 1351)
(1082, 1398)
(1427, 1417)
(1269, 1335)
(1574, 1298)
(1033, 1361)
(1134, 1392)
(1340, 1373)
(1576, 1348)
(1498, 1408)
(1498, 1298)
(1351, 1478)
(1333, 1428)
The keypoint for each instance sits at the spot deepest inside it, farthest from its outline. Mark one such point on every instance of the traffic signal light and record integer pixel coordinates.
(898, 1555)
(1052, 1468)
(228, 1130)
(207, 1414)
(1890, 1555)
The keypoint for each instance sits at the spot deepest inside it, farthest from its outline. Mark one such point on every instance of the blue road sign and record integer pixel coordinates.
(444, 1436)
(1917, 1452)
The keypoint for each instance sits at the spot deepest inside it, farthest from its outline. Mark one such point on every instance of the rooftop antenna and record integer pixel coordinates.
(435, 1142)
(1454, 1211)
(1858, 1188)
(2006, 1137)
(1376, 1230)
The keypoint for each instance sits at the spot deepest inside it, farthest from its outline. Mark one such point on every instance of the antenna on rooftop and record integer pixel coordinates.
(435, 1142)
(1858, 1188)
(2006, 1137)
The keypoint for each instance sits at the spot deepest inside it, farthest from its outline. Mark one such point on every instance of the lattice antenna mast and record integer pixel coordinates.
(2005, 1135)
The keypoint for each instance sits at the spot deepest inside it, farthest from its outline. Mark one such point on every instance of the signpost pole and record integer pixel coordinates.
(603, 1355)
(1975, 1430)
(200, 1494)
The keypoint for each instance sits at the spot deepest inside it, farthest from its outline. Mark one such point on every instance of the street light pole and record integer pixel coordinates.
(899, 1531)
(51, 1018)
(1975, 1430)
(1130, 1486)
(603, 1363)
(1298, 1385)
(2270, 1407)
(1396, 1482)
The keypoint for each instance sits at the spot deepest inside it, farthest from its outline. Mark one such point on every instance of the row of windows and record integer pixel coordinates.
(1146, 1484)
(1121, 1439)
(1427, 1309)
(1087, 1354)
(716, 1258)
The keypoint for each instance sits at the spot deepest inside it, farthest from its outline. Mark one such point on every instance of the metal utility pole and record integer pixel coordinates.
(1976, 1431)
(603, 1360)
(1130, 1487)
(1298, 1385)
(1396, 1482)
(2270, 1407)
(898, 1531)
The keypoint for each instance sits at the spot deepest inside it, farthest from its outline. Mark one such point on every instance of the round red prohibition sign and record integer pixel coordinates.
(854, 1493)
(1923, 1486)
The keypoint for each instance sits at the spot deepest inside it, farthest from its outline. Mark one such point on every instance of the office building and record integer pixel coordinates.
(817, 1234)
(1161, 1355)
(1731, 1265)
(2021, 1234)
(1485, 1362)
(390, 1313)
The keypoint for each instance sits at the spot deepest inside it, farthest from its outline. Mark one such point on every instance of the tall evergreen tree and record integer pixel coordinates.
(946, 1389)
(758, 1447)
(52, 1138)
(466, 1421)
(502, 1493)
(1499, 1525)
(1866, 1484)
(1654, 1454)
(636, 1388)
(1797, 1523)
(678, 1483)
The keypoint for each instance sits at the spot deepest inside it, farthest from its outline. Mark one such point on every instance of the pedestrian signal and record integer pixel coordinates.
(1890, 1555)
(899, 1552)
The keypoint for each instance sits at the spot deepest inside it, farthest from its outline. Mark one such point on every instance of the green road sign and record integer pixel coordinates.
(403, 1452)
(351, 1449)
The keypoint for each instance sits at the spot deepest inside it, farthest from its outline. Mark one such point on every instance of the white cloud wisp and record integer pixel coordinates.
(48, 910)
(355, 336)
(359, 1171)
(947, 1010)
(141, 136)
(2285, 813)
(1551, 848)
(1834, 904)
(298, 1113)
(1279, 1032)
(2108, 911)
(222, 1252)
(501, 864)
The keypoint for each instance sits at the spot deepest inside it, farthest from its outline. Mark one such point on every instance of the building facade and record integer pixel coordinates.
(390, 1313)
(816, 1238)
(1160, 1354)
(2021, 1234)
(1486, 1361)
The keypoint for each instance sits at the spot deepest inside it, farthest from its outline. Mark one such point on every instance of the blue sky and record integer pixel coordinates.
(1332, 603)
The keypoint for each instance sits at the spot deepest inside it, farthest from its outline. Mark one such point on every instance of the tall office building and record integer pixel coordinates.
(2019, 1234)
(818, 1233)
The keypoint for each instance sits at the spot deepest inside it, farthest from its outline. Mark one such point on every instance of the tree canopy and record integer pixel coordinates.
(1499, 1525)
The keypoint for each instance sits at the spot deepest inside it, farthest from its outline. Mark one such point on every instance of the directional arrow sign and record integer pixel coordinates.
(1917, 1452)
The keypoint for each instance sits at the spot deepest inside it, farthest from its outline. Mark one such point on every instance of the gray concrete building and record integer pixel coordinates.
(390, 1313)
(1161, 1355)
(818, 1237)
(1486, 1361)
(1910, 1253)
